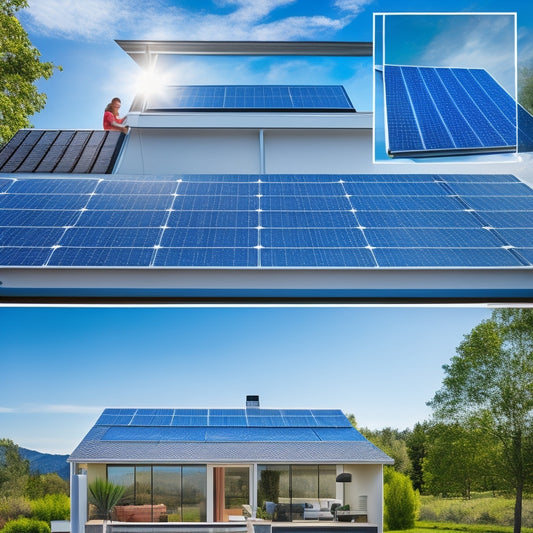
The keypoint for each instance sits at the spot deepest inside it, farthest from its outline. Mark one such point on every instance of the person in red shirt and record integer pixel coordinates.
(112, 121)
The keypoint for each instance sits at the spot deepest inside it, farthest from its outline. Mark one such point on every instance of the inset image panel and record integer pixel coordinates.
(445, 86)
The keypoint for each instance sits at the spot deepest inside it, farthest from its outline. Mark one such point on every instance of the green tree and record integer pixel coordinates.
(20, 69)
(416, 450)
(459, 460)
(401, 501)
(14, 470)
(489, 383)
(39, 485)
(393, 443)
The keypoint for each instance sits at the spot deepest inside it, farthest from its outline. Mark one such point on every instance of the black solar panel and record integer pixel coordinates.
(266, 221)
(53, 151)
(251, 97)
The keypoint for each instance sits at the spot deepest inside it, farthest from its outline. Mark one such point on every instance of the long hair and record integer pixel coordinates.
(109, 107)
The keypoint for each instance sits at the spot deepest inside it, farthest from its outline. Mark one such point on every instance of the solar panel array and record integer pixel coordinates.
(230, 425)
(442, 111)
(267, 221)
(61, 151)
(250, 97)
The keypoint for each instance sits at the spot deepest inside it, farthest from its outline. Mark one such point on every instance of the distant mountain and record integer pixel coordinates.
(46, 463)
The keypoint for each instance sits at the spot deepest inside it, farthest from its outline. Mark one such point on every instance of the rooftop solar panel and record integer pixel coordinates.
(250, 98)
(445, 111)
(61, 151)
(267, 221)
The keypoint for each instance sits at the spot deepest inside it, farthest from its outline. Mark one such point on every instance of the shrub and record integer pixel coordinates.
(26, 525)
(12, 507)
(401, 502)
(51, 507)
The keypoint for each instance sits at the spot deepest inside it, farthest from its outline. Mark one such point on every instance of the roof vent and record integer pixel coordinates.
(252, 401)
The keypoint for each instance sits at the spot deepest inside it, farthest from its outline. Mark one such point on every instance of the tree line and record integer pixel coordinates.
(480, 437)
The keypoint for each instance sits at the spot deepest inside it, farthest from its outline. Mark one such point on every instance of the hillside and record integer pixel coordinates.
(46, 463)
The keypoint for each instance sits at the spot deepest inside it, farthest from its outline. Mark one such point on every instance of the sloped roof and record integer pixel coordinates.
(227, 435)
(61, 151)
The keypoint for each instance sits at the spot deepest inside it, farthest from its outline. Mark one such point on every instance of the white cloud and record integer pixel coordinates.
(354, 6)
(94, 20)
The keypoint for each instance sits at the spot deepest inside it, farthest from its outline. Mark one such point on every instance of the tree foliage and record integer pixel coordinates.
(459, 460)
(416, 442)
(393, 443)
(401, 501)
(14, 471)
(489, 384)
(20, 69)
(26, 525)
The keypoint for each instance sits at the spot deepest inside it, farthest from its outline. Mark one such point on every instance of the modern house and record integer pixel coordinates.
(240, 193)
(221, 465)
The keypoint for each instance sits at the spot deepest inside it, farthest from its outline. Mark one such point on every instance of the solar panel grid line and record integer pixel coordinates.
(65, 229)
(491, 105)
(39, 151)
(55, 152)
(455, 121)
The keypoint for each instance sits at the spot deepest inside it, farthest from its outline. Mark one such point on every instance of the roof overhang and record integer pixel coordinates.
(143, 52)
(266, 285)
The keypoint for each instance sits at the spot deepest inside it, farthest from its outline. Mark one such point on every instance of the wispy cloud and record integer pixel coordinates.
(53, 409)
(156, 19)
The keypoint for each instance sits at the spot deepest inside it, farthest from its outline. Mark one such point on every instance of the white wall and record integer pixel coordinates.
(367, 480)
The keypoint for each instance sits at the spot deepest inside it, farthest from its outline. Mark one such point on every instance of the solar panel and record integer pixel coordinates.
(443, 111)
(250, 97)
(267, 221)
(55, 151)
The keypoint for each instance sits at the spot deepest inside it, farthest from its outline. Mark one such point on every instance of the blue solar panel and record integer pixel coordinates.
(271, 221)
(443, 111)
(251, 97)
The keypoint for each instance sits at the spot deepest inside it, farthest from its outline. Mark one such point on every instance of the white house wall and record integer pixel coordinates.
(318, 151)
(190, 152)
(367, 480)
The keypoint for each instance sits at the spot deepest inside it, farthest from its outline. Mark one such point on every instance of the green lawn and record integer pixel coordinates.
(441, 527)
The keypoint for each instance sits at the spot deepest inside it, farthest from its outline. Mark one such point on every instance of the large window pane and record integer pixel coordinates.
(273, 491)
(194, 487)
(237, 487)
(326, 481)
(124, 476)
(143, 485)
(167, 493)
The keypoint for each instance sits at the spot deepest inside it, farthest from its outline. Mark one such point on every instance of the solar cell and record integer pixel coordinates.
(250, 97)
(281, 221)
(442, 111)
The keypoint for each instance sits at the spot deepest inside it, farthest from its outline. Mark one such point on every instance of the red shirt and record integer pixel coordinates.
(109, 118)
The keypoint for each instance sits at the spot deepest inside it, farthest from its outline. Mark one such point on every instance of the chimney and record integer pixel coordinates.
(252, 401)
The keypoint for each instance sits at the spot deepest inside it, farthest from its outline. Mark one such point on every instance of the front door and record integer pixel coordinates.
(232, 491)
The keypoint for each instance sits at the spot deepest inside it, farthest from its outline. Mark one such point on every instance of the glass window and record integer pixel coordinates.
(273, 494)
(166, 491)
(143, 485)
(125, 476)
(194, 493)
(236, 487)
(326, 481)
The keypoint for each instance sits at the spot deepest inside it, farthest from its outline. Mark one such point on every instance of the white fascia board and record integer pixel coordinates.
(241, 284)
(183, 120)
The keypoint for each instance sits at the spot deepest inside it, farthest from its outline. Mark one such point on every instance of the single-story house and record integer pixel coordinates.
(223, 465)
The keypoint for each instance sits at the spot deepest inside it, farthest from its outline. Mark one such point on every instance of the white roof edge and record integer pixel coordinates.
(251, 120)
(142, 51)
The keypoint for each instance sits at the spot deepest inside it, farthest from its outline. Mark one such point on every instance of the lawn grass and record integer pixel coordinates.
(447, 527)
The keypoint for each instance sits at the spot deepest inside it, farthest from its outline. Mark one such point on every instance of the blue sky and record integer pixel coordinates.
(81, 40)
(62, 365)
